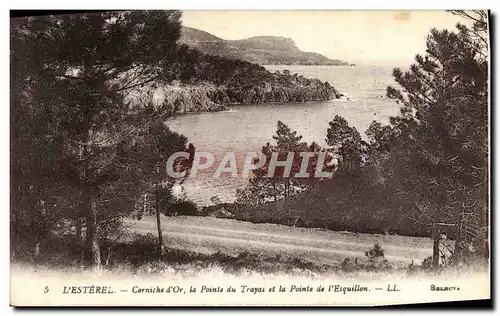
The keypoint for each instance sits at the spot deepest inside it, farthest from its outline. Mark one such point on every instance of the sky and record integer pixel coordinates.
(361, 37)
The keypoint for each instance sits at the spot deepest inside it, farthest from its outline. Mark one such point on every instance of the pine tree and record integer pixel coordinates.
(443, 130)
(346, 144)
(78, 70)
(263, 188)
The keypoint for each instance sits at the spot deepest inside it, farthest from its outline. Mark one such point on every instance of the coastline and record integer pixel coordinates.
(199, 98)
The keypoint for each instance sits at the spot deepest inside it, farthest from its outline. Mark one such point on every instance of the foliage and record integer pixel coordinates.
(346, 143)
(88, 145)
(185, 208)
(375, 253)
(444, 132)
(71, 78)
(428, 165)
(241, 82)
(263, 187)
(376, 262)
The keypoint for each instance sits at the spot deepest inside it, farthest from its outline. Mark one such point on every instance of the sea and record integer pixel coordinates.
(246, 128)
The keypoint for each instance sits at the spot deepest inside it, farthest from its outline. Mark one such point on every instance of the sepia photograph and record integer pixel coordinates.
(249, 158)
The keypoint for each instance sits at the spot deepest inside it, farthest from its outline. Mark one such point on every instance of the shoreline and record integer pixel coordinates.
(227, 107)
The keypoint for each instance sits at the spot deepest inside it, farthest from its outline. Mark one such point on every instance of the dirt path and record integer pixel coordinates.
(204, 234)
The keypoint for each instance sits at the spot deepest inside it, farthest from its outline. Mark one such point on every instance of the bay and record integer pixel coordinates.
(248, 127)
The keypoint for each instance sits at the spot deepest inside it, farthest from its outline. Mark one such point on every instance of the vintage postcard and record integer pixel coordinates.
(249, 158)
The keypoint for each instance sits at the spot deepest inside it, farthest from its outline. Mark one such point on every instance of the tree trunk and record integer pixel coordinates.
(458, 239)
(78, 220)
(36, 254)
(435, 247)
(274, 191)
(78, 231)
(79, 243)
(160, 234)
(92, 247)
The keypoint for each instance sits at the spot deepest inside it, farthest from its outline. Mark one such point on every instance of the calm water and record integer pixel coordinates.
(248, 127)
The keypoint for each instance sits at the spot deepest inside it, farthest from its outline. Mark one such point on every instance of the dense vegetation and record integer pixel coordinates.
(262, 188)
(84, 157)
(427, 168)
(246, 82)
(88, 143)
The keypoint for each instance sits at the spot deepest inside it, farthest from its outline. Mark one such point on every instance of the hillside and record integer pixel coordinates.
(337, 204)
(212, 83)
(263, 50)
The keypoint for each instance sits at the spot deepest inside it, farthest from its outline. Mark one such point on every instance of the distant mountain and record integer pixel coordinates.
(263, 50)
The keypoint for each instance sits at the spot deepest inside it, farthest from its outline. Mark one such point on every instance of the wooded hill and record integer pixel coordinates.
(262, 50)
(210, 83)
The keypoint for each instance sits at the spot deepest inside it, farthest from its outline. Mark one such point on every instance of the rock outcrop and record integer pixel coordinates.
(181, 98)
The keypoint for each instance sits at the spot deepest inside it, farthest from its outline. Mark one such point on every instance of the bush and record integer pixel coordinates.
(375, 254)
(350, 266)
(376, 259)
(143, 248)
(376, 262)
(182, 208)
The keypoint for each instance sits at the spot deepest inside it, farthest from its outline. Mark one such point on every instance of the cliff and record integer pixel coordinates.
(184, 98)
(263, 50)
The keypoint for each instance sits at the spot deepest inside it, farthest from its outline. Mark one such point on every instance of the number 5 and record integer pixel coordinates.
(46, 290)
